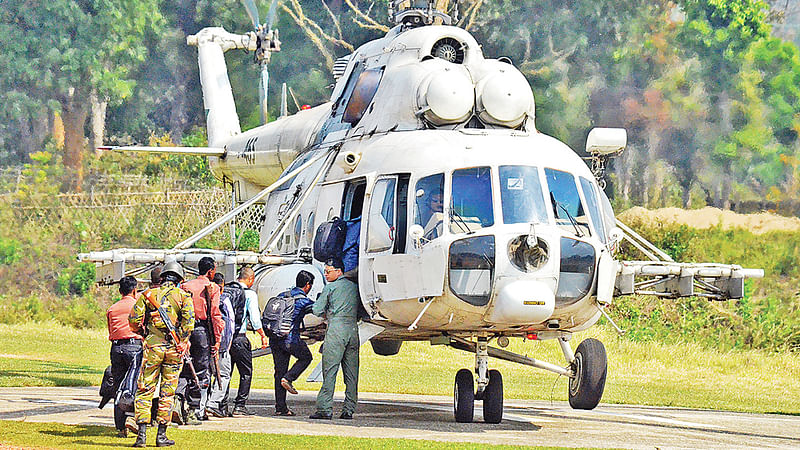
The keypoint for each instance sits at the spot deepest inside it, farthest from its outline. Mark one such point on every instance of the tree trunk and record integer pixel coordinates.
(74, 114)
(687, 197)
(98, 121)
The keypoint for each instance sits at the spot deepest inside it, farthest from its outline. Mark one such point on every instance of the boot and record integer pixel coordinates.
(161, 437)
(142, 436)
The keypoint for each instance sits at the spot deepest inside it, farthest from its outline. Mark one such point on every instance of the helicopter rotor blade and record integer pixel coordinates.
(273, 11)
(252, 11)
(263, 84)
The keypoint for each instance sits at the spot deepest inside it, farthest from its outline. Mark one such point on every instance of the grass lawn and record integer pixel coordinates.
(679, 374)
(51, 435)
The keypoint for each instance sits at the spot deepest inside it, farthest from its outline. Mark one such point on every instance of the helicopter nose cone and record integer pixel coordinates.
(523, 301)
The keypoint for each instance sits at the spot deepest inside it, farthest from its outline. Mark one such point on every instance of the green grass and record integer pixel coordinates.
(649, 373)
(51, 435)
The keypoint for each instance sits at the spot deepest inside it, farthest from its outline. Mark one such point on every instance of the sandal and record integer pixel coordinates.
(287, 413)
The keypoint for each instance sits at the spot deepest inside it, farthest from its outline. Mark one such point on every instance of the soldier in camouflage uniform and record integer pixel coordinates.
(162, 355)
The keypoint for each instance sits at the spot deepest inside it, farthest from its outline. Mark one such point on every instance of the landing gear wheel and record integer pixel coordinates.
(590, 366)
(493, 398)
(464, 396)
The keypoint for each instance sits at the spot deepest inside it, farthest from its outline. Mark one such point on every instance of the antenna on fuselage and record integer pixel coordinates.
(416, 13)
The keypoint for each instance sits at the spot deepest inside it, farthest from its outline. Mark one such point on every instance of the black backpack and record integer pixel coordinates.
(234, 292)
(278, 313)
(329, 240)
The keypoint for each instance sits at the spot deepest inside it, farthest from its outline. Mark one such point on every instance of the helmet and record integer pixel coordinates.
(173, 267)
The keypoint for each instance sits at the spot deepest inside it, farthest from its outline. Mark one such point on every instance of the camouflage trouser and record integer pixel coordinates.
(163, 360)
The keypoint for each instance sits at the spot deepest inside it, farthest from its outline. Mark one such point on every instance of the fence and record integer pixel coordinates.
(159, 218)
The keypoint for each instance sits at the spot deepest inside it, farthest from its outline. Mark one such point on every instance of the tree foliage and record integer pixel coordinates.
(710, 98)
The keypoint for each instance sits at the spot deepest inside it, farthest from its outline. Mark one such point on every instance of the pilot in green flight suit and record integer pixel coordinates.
(338, 302)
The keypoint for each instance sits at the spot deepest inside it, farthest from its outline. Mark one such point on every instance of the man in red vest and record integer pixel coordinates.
(205, 340)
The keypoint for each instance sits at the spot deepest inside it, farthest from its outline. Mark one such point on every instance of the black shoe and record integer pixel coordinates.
(141, 437)
(320, 415)
(346, 415)
(286, 384)
(161, 437)
(216, 412)
(242, 411)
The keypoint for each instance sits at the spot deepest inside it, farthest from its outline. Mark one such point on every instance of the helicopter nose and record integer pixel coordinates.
(523, 301)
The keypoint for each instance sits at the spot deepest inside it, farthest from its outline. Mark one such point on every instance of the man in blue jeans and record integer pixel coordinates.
(126, 346)
(285, 347)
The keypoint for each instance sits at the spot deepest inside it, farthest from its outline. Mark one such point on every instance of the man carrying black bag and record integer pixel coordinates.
(284, 338)
(126, 354)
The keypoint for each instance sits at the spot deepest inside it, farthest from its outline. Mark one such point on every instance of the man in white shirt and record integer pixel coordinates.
(245, 309)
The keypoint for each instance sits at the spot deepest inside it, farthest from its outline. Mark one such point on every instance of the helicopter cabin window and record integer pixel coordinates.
(381, 232)
(429, 201)
(521, 195)
(471, 207)
(567, 207)
(298, 230)
(362, 95)
(593, 206)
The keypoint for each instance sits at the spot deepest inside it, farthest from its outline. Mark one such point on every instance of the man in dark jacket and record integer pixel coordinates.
(291, 345)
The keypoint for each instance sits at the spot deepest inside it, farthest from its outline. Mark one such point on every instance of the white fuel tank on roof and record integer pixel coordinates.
(436, 76)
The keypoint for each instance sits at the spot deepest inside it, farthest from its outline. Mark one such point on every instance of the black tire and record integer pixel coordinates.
(386, 347)
(586, 388)
(493, 398)
(464, 396)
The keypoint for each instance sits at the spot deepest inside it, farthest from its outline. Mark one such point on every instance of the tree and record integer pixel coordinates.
(63, 53)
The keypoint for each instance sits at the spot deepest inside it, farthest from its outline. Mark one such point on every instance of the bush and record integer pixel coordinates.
(76, 280)
(9, 251)
(17, 310)
(81, 312)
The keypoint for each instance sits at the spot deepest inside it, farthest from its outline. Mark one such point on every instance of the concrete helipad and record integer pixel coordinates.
(431, 417)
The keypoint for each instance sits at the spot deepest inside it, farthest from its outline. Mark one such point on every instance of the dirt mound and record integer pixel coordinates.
(709, 217)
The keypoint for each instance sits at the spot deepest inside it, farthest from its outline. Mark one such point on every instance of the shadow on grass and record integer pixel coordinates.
(82, 432)
(49, 373)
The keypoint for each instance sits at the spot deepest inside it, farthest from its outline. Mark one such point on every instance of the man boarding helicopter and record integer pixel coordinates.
(521, 244)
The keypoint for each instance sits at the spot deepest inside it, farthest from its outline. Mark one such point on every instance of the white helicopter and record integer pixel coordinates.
(474, 226)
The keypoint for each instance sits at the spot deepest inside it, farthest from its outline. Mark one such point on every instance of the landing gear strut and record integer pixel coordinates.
(586, 369)
(490, 389)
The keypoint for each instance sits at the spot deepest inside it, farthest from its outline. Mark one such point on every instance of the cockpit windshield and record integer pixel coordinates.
(567, 207)
(471, 208)
(521, 194)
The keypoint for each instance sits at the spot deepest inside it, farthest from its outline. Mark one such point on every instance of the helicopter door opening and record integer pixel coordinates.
(390, 273)
(352, 206)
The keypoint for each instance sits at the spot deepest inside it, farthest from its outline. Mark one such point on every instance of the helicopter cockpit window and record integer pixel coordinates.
(593, 205)
(471, 208)
(567, 207)
(522, 196)
(429, 201)
(381, 216)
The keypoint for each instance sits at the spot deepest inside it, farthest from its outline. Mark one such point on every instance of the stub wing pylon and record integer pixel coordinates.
(661, 276)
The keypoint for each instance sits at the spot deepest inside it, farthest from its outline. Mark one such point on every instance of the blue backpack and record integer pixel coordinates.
(329, 239)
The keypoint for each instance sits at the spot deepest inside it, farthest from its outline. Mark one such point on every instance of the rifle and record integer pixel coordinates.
(214, 358)
(187, 359)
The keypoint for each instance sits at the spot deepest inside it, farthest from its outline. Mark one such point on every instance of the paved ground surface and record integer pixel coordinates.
(431, 417)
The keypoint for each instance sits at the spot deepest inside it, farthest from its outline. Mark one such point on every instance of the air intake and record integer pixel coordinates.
(449, 49)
